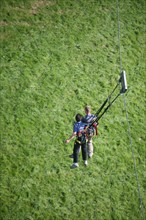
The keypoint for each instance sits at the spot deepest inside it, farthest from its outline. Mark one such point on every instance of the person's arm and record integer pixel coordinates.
(70, 138)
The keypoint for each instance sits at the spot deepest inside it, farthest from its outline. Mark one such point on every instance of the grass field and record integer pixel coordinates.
(56, 57)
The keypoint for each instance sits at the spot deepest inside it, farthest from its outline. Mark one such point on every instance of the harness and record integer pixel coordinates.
(81, 137)
(92, 130)
(91, 125)
(89, 131)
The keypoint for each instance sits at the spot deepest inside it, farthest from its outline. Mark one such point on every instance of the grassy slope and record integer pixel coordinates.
(56, 57)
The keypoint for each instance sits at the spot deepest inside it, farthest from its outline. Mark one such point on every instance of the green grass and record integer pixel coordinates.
(57, 56)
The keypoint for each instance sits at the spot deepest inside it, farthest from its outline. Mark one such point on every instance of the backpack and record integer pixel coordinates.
(91, 131)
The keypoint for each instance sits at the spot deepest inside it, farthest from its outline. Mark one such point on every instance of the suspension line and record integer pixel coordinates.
(125, 107)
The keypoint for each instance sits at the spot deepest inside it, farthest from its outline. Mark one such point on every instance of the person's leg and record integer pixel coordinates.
(76, 152)
(75, 155)
(90, 147)
(84, 153)
(72, 155)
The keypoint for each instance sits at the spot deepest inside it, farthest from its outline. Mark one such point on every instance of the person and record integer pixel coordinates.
(87, 120)
(78, 132)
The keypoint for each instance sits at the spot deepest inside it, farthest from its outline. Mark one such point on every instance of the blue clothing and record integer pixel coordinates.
(88, 118)
(78, 126)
